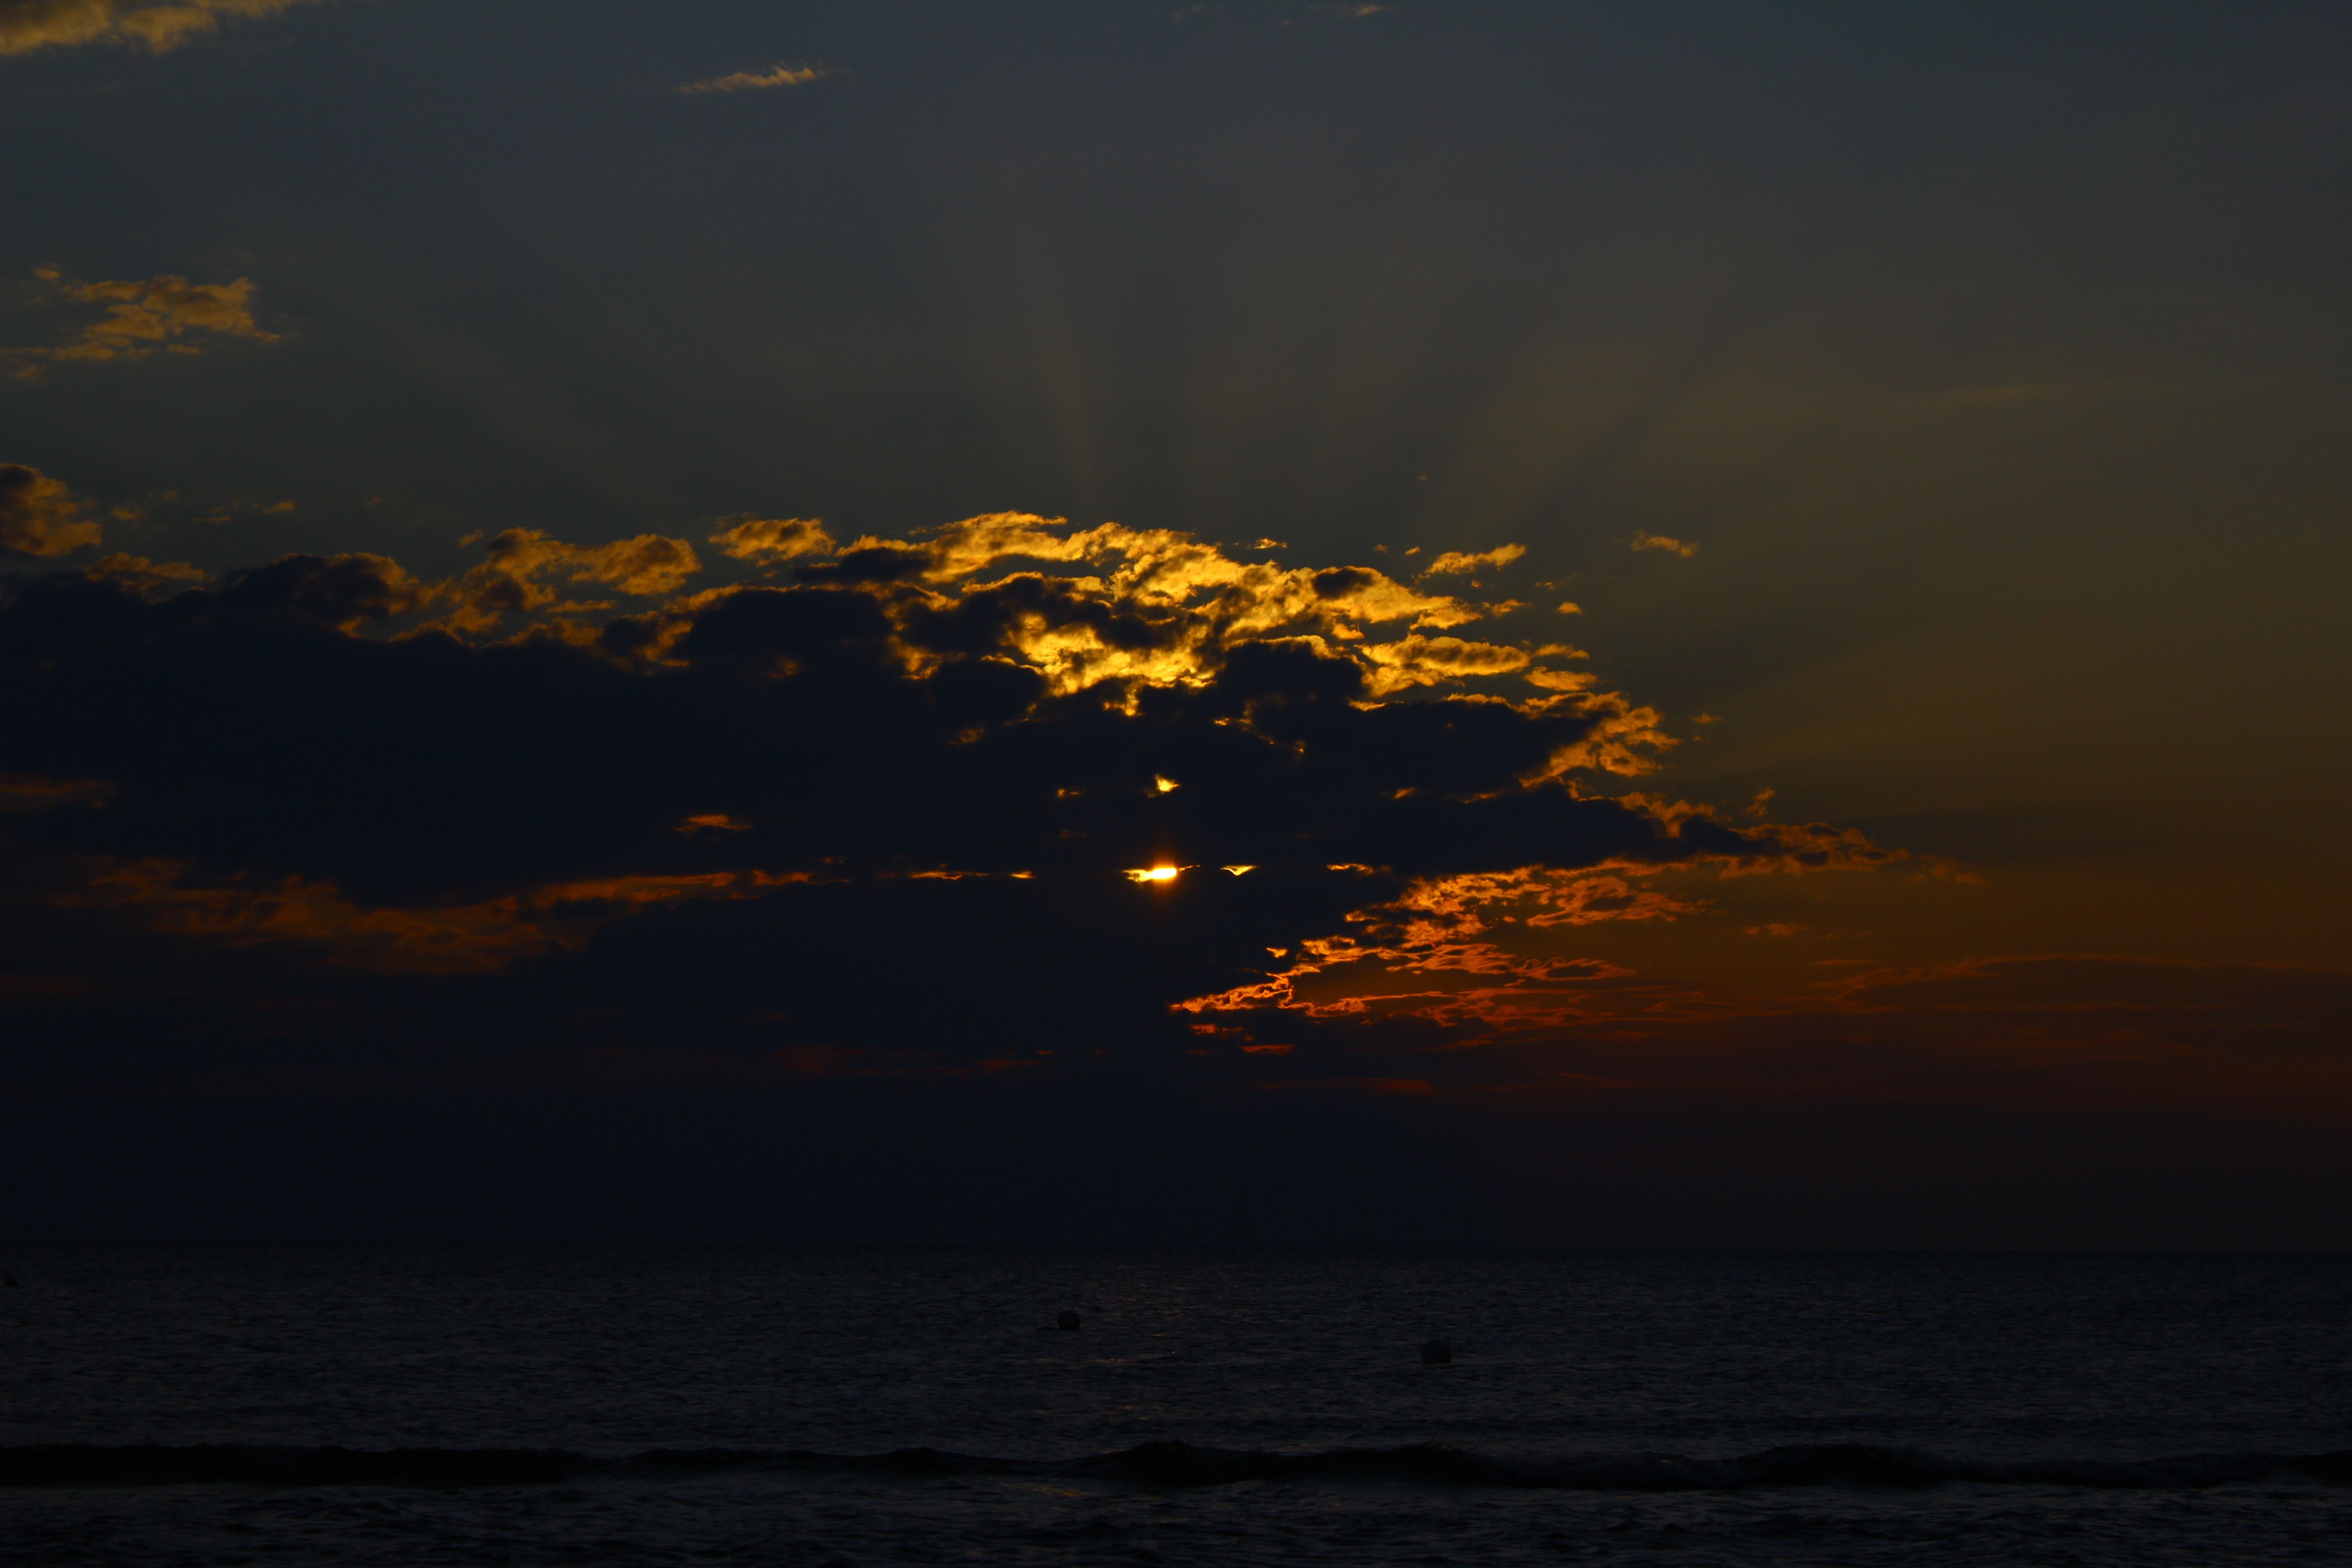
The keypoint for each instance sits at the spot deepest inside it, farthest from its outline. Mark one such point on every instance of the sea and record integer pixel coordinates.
(380, 1405)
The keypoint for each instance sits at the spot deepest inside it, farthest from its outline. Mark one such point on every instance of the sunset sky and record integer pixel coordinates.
(1723, 625)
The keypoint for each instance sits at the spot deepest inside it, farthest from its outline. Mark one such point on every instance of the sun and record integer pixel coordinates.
(1155, 874)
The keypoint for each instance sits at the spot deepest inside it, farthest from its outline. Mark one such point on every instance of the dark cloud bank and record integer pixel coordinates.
(816, 905)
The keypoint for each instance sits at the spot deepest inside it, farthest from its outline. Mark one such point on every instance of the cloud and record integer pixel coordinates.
(768, 542)
(907, 707)
(1453, 562)
(1418, 991)
(342, 591)
(148, 316)
(508, 581)
(863, 826)
(29, 24)
(1645, 540)
(147, 577)
(39, 516)
(866, 825)
(291, 911)
(1442, 952)
(1155, 606)
(762, 81)
(1429, 661)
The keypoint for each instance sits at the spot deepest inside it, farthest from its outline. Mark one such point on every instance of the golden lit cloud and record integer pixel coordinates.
(1455, 562)
(146, 316)
(508, 580)
(1143, 608)
(29, 24)
(1645, 540)
(1159, 606)
(760, 81)
(1239, 670)
(39, 516)
(771, 540)
(1429, 661)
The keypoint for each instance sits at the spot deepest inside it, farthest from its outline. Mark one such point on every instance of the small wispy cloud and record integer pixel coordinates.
(1454, 561)
(760, 81)
(1645, 540)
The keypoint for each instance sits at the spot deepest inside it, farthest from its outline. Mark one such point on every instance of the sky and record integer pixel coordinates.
(1241, 623)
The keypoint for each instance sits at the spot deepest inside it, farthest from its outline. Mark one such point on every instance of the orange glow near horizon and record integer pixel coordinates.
(1156, 874)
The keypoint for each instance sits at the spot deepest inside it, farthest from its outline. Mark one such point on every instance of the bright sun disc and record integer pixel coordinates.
(1157, 874)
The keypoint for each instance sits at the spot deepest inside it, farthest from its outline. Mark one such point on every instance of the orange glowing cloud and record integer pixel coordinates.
(146, 316)
(1442, 952)
(1486, 561)
(760, 81)
(771, 541)
(39, 516)
(1645, 540)
(478, 938)
(508, 581)
(157, 26)
(2044, 1031)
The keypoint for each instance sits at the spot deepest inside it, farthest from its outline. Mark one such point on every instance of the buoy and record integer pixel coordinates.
(1066, 1320)
(7, 1281)
(1436, 1352)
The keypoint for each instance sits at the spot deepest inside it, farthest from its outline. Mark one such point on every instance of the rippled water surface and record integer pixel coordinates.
(1605, 1408)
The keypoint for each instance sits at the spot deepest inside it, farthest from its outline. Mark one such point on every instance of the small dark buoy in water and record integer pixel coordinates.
(1436, 1352)
(7, 1281)
(1066, 1320)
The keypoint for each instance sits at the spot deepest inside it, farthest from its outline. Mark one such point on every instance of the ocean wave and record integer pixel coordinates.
(1146, 1464)
(1861, 1465)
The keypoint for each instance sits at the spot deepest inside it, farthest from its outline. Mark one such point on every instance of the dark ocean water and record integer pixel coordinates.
(380, 1406)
